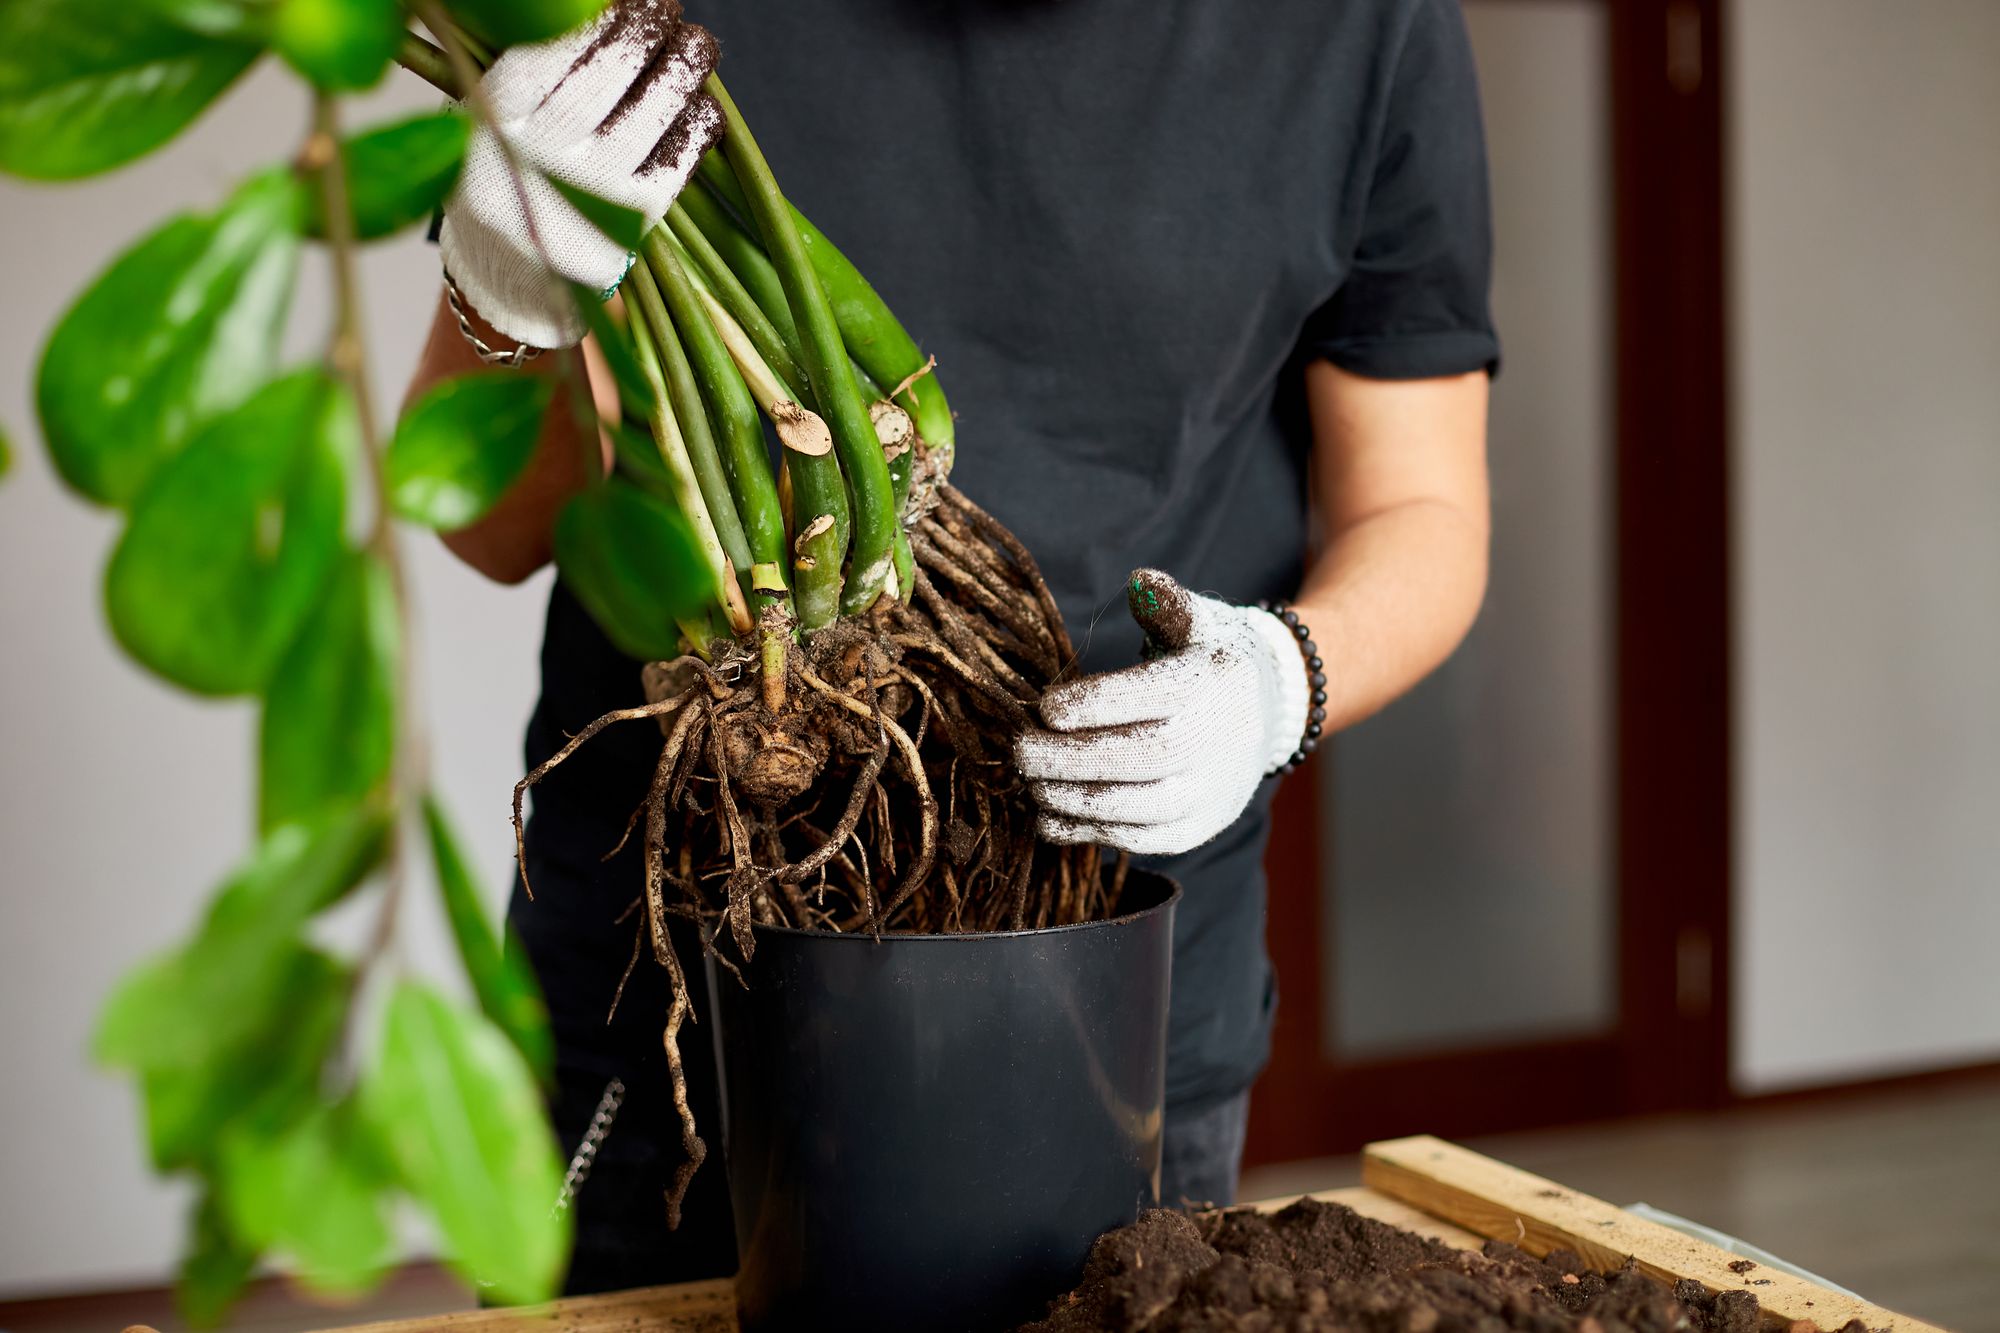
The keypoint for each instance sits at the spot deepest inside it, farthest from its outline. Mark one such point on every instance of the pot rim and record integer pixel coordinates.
(1166, 904)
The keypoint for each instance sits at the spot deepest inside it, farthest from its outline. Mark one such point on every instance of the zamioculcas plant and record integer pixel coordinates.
(841, 646)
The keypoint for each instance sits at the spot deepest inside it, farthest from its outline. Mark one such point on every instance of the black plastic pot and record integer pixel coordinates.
(928, 1131)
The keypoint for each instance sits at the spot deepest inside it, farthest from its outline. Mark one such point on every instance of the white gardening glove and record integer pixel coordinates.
(1160, 757)
(615, 109)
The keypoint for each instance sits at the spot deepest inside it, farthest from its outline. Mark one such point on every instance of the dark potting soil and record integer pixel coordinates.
(1321, 1266)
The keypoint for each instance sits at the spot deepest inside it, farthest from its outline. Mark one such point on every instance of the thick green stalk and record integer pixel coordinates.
(744, 255)
(778, 346)
(684, 396)
(680, 472)
(874, 336)
(817, 487)
(731, 411)
(875, 520)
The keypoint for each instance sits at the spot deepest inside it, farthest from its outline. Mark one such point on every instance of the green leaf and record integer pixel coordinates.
(340, 45)
(232, 538)
(329, 728)
(87, 85)
(462, 1114)
(639, 460)
(502, 23)
(315, 1190)
(266, 1078)
(462, 444)
(181, 327)
(216, 1268)
(501, 978)
(198, 1001)
(633, 562)
(231, 19)
(635, 390)
(624, 226)
(398, 173)
(6, 453)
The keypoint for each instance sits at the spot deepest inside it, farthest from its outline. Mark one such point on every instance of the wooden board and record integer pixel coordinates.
(1425, 1185)
(687, 1307)
(1502, 1202)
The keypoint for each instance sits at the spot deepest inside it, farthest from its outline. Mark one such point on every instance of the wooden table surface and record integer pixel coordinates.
(710, 1307)
(1422, 1184)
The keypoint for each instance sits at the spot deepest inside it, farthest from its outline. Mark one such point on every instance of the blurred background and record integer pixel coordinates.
(1694, 844)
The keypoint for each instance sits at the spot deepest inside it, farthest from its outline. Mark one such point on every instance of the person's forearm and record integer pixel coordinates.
(1399, 471)
(1390, 598)
(515, 537)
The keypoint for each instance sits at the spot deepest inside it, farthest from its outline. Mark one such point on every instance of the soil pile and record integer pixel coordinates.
(1320, 1266)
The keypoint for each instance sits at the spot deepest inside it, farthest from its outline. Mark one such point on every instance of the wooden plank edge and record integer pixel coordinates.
(687, 1307)
(1505, 1203)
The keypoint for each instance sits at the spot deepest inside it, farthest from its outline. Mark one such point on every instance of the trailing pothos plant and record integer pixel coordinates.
(840, 646)
(304, 1090)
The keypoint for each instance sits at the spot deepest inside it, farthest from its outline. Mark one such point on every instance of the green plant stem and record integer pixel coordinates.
(817, 488)
(680, 469)
(873, 504)
(348, 356)
(684, 397)
(731, 411)
(428, 63)
(778, 346)
(875, 338)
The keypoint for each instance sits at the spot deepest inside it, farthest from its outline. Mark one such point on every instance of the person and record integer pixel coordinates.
(1197, 276)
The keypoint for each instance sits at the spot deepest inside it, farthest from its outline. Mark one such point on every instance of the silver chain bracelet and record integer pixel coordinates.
(512, 358)
(593, 1139)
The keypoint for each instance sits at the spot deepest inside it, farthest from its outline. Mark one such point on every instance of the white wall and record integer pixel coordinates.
(1866, 264)
(121, 801)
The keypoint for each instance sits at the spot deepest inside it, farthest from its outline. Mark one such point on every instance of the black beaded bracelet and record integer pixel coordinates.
(1315, 676)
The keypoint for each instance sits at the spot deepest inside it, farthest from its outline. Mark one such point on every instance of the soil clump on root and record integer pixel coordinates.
(1322, 1266)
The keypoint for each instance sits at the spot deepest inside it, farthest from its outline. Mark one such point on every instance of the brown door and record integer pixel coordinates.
(1504, 902)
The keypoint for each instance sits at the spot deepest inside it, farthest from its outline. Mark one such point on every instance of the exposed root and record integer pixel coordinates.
(878, 792)
(691, 1143)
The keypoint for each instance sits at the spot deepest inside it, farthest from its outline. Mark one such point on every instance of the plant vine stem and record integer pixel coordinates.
(646, 317)
(835, 395)
(428, 63)
(348, 356)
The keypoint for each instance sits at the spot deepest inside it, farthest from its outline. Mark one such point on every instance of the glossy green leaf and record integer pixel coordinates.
(231, 540)
(6, 453)
(329, 727)
(235, 20)
(503, 23)
(266, 1078)
(314, 1191)
(183, 326)
(462, 444)
(216, 1268)
(501, 978)
(633, 563)
(462, 1115)
(204, 998)
(624, 226)
(398, 173)
(341, 45)
(87, 85)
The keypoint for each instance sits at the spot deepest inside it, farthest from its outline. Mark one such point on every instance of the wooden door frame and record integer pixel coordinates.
(1671, 640)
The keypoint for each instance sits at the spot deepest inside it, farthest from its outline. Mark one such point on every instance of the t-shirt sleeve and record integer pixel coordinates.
(1414, 302)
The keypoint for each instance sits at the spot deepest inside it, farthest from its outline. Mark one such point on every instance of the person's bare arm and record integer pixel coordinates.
(515, 538)
(1400, 486)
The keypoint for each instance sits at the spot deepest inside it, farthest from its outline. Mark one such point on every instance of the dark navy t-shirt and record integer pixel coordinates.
(1122, 226)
